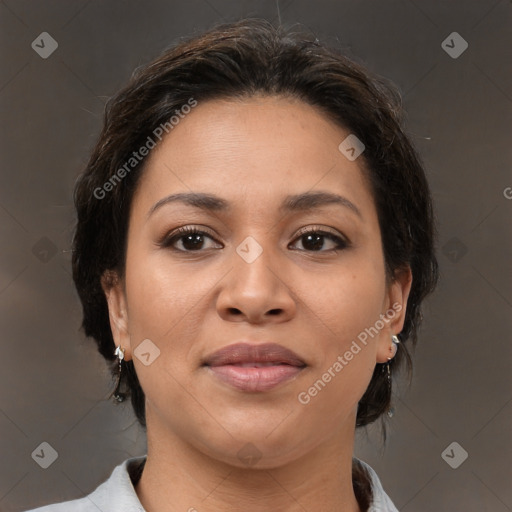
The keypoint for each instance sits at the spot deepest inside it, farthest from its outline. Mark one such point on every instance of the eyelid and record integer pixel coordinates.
(192, 228)
(322, 229)
(183, 230)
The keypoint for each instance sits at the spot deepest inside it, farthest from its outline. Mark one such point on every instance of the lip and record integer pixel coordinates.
(250, 367)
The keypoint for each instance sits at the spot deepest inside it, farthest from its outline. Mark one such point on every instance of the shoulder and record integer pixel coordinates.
(381, 502)
(116, 494)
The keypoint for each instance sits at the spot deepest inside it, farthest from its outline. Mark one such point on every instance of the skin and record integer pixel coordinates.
(252, 153)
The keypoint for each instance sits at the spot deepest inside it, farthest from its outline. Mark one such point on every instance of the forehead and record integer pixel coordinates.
(250, 150)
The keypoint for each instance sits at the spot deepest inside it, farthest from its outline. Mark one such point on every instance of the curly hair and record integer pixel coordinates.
(239, 60)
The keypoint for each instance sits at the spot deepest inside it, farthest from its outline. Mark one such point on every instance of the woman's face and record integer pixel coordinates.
(253, 276)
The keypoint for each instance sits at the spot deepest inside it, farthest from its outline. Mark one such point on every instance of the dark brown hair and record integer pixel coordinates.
(239, 60)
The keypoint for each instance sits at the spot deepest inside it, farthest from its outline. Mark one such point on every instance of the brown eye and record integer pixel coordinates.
(313, 240)
(192, 239)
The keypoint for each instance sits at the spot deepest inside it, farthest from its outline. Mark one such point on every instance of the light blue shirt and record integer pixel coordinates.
(117, 494)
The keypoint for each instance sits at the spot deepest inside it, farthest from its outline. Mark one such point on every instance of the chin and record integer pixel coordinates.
(260, 448)
(258, 455)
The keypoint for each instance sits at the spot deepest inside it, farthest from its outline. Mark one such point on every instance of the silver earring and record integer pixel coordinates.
(394, 347)
(393, 350)
(120, 397)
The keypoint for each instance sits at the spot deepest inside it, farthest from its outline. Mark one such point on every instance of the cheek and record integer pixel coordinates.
(167, 305)
(346, 355)
(162, 295)
(346, 303)
(163, 301)
(347, 300)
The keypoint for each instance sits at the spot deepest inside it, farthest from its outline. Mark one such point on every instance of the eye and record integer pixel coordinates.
(192, 239)
(314, 239)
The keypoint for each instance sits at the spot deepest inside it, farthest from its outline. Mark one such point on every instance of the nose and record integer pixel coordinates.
(257, 291)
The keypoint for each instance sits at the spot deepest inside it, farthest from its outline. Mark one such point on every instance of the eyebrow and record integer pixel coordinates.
(301, 202)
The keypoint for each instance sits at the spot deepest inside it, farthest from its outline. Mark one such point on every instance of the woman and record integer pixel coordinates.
(255, 237)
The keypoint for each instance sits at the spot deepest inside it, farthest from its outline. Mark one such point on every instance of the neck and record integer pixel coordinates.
(179, 477)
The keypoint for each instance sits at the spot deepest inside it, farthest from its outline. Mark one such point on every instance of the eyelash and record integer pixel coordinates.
(168, 241)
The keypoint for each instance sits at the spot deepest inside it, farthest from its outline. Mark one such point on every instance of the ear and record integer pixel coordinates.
(395, 307)
(113, 287)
